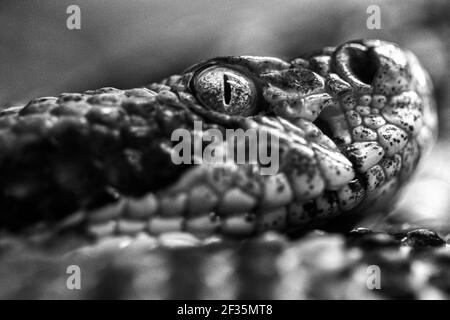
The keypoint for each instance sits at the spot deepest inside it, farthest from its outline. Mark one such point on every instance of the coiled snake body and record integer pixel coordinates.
(352, 123)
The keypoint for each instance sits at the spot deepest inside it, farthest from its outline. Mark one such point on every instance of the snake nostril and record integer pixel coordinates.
(363, 64)
(357, 64)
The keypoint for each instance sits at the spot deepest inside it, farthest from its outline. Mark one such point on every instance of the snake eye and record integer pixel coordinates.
(225, 90)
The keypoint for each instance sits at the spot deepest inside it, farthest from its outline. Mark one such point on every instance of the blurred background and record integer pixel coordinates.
(130, 43)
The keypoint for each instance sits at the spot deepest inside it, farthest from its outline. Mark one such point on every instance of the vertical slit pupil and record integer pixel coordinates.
(226, 90)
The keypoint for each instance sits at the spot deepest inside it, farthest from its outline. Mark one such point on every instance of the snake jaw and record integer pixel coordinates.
(351, 124)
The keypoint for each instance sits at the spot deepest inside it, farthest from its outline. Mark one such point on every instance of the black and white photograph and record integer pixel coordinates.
(224, 154)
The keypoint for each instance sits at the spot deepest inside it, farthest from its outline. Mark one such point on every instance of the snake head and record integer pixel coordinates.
(343, 129)
(352, 122)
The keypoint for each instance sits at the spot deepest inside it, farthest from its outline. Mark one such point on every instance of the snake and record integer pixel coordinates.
(352, 123)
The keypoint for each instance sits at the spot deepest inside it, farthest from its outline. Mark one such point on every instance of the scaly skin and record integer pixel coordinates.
(352, 123)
